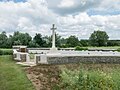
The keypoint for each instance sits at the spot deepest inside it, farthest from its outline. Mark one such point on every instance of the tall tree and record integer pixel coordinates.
(48, 40)
(72, 41)
(84, 42)
(63, 42)
(39, 40)
(33, 44)
(3, 40)
(9, 42)
(99, 38)
(21, 38)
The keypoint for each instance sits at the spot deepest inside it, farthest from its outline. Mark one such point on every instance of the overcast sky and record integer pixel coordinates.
(72, 17)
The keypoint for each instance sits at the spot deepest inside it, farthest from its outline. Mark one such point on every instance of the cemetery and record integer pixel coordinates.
(59, 44)
(53, 68)
(63, 68)
(63, 56)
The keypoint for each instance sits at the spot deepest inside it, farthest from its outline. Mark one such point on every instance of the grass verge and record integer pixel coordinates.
(12, 76)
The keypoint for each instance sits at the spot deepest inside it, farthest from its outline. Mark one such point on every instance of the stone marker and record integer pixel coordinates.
(53, 49)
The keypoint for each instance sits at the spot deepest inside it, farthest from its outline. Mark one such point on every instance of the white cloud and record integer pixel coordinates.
(26, 17)
(110, 4)
(66, 7)
(83, 25)
(35, 16)
(66, 3)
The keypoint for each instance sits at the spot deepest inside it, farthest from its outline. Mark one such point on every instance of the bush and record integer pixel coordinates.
(78, 48)
(72, 80)
(6, 52)
(118, 49)
(1, 52)
(64, 46)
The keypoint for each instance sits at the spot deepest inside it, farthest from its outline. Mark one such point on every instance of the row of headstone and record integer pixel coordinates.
(23, 55)
(20, 53)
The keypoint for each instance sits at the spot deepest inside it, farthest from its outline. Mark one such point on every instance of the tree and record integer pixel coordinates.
(113, 42)
(99, 38)
(63, 42)
(3, 40)
(9, 42)
(32, 44)
(84, 43)
(39, 40)
(72, 41)
(21, 38)
(48, 41)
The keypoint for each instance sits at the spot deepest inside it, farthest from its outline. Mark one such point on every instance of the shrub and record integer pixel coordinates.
(118, 49)
(64, 46)
(78, 48)
(72, 80)
(6, 52)
(1, 52)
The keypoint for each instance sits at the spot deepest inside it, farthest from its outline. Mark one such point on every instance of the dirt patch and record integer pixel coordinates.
(44, 77)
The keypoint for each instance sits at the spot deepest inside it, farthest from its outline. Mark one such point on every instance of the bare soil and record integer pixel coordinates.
(44, 77)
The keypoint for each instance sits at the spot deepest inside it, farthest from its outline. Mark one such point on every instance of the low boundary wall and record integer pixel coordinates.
(83, 59)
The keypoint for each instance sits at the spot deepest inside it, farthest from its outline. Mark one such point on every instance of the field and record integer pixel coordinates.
(57, 77)
(112, 47)
(12, 76)
(75, 77)
(5, 49)
(108, 47)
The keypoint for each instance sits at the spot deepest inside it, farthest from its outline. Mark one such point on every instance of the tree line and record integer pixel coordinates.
(97, 38)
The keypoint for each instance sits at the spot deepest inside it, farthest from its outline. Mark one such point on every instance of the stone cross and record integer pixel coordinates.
(53, 35)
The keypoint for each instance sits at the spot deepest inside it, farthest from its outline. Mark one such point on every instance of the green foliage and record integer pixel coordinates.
(1, 52)
(83, 80)
(64, 46)
(32, 56)
(58, 41)
(118, 49)
(98, 38)
(78, 48)
(113, 43)
(32, 44)
(72, 41)
(39, 40)
(84, 43)
(3, 40)
(63, 42)
(6, 52)
(21, 38)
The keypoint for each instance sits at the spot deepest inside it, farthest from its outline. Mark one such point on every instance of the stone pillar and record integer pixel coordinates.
(53, 36)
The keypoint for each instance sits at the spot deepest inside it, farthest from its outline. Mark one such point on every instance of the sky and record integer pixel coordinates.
(71, 17)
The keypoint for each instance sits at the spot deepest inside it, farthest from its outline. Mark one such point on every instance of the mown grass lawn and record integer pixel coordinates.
(12, 76)
(107, 47)
(5, 49)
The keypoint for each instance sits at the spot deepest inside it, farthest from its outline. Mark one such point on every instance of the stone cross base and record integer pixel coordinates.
(53, 50)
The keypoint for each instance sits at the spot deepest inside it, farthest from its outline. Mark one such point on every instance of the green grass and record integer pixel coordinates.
(32, 56)
(12, 76)
(5, 49)
(91, 77)
(112, 47)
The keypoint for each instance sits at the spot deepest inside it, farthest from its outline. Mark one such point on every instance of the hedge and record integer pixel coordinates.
(6, 52)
